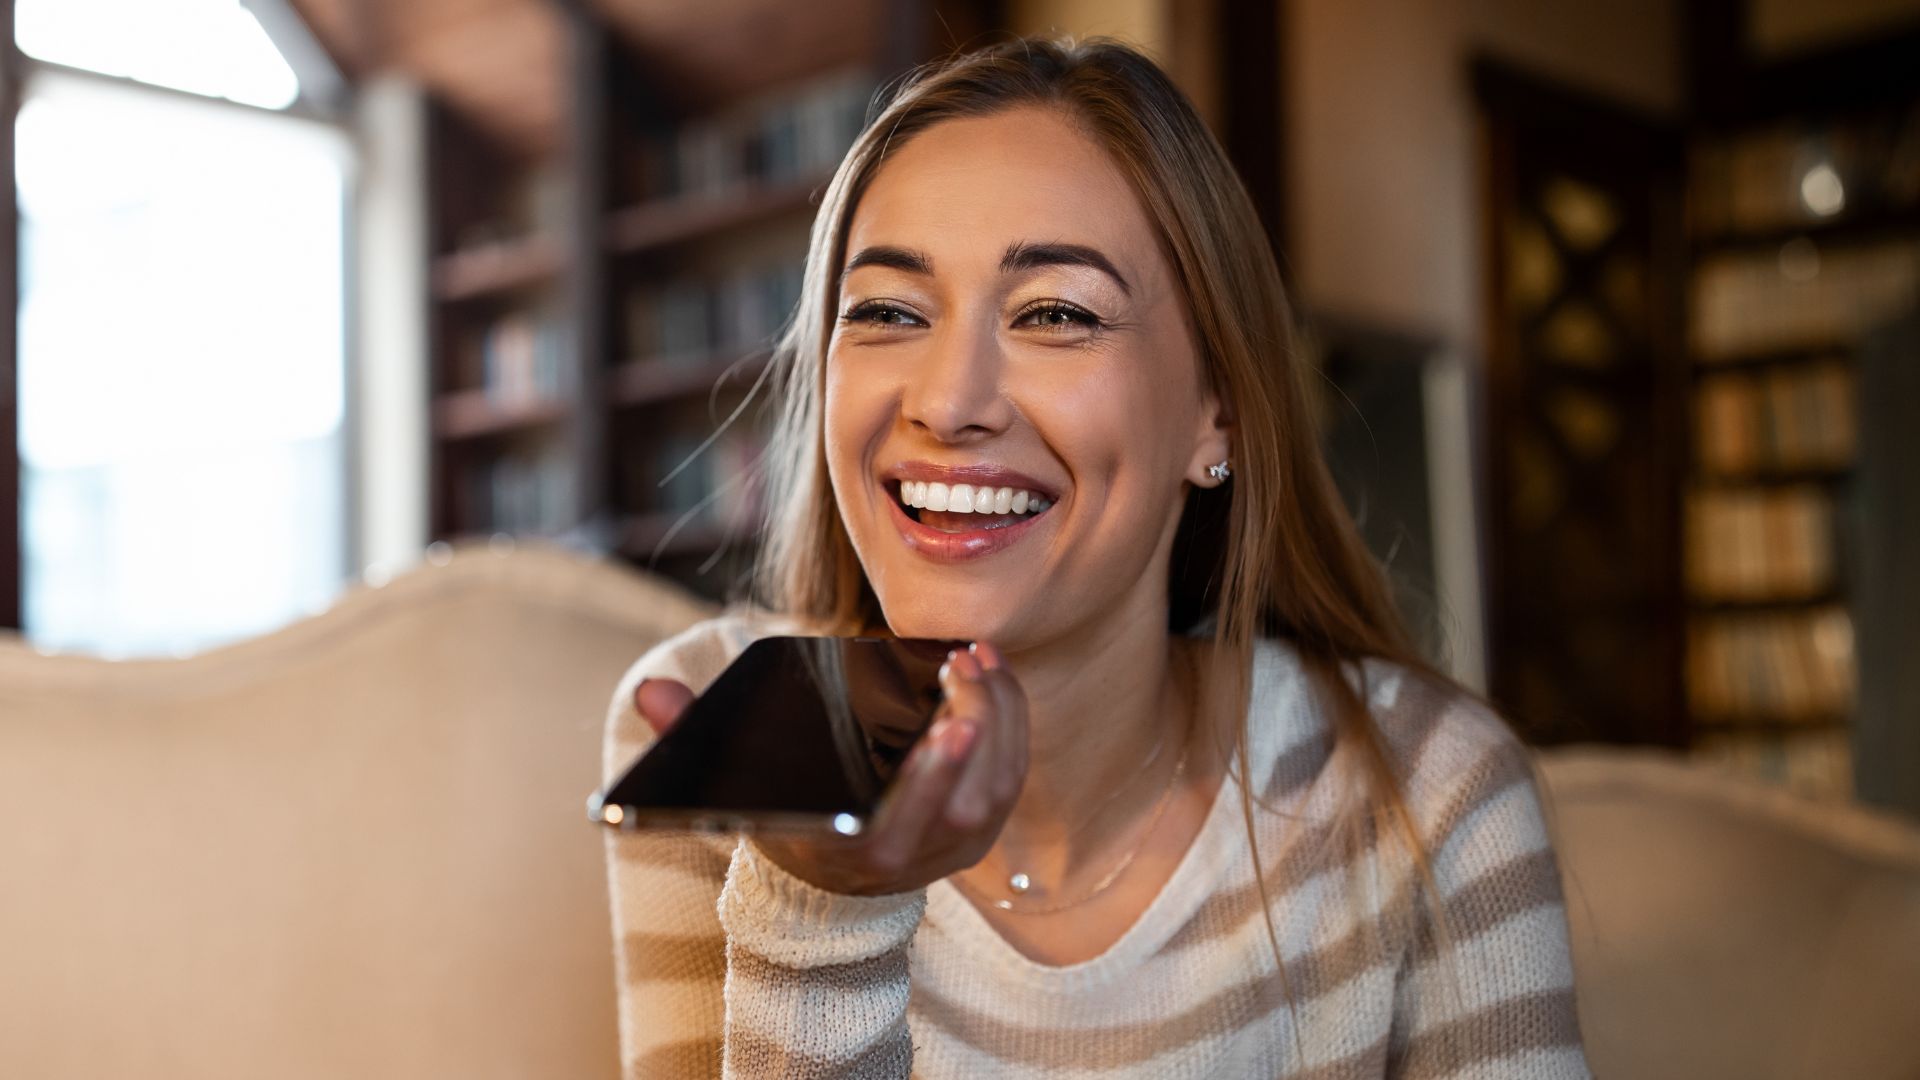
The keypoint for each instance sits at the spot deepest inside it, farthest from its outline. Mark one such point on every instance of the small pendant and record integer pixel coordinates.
(1019, 883)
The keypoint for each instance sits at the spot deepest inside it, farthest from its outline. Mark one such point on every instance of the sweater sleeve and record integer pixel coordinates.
(725, 962)
(817, 982)
(669, 951)
(1487, 992)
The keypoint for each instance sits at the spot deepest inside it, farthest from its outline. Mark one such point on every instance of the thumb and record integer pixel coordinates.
(660, 702)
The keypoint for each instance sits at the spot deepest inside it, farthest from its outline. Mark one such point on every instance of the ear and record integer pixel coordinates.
(1213, 440)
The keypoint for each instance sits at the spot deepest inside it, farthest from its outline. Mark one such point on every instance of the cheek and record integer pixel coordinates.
(1116, 428)
(854, 418)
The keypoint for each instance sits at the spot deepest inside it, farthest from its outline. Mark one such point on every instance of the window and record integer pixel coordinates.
(181, 331)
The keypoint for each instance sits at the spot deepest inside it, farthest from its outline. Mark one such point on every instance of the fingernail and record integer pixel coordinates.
(959, 738)
(968, 667)
(933, 747)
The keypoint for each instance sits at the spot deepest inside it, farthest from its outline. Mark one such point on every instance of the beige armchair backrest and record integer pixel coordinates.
(353, 848)
(357, 848)
(1723, 930)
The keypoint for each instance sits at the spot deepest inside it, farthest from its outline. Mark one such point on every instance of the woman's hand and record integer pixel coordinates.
(946, 807)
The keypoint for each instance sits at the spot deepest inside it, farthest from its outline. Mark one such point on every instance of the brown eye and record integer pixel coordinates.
(876, 313)
(1057, 316)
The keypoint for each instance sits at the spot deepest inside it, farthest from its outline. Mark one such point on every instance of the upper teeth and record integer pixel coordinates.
(968, 499)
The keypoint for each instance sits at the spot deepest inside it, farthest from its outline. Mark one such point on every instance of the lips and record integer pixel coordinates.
(975, 542)
(950, 537)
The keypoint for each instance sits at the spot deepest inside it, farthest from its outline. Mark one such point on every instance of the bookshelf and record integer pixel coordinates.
(599, 313)
(1804, 241)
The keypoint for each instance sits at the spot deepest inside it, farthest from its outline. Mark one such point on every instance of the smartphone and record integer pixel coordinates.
(797, 734)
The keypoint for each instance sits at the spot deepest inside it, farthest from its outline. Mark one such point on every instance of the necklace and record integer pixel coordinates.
(1019, 883)
(1126, 860)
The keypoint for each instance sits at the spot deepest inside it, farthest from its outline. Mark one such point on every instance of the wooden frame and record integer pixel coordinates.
(12, 569)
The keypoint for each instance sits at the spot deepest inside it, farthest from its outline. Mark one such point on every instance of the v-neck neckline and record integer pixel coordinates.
(1200, 866)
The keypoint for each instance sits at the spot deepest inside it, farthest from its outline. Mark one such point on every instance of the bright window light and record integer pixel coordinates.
(181, 368)
(210, 47)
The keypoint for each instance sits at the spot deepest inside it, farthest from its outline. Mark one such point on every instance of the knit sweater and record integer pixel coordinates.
(728, 965)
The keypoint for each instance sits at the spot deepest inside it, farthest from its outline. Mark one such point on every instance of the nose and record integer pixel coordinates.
(954, 392)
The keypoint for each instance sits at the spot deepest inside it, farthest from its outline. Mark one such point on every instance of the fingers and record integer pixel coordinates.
(917, 800)
(660, 702)
(1010, 736)
(977, 793)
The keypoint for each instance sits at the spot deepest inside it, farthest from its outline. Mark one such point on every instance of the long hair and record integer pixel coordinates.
(1273, 552)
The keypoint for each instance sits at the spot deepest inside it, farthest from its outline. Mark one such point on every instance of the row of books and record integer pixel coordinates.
(524, 356)
(525, 492)
(1816, 763)
(1800, 297)
(1800, 417)
(719, 484)
(797, 136)
(1788, 175)
(532, 201)
(692, 319)
(1760, 543)
(1774, 666)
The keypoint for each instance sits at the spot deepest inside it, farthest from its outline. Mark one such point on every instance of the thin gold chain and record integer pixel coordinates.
(1106, 880)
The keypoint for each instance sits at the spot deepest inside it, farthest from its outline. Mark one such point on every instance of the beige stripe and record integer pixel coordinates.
(692, 1059)
(887, 1057)
(694, 855)
(1297, 767)
(1371, 1062)
(1503, 892)
(1227, 911)
(675, 958)
(1537, 1021)
(855, 975)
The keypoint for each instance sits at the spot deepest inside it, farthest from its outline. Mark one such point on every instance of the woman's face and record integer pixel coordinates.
(1011, 335)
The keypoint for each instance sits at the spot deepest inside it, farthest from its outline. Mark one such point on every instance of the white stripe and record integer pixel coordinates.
(1506, 962)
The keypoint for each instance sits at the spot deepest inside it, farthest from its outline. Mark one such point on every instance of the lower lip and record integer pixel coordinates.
(959, 546)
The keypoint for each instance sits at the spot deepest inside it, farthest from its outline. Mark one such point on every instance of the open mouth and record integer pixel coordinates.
(958, 508)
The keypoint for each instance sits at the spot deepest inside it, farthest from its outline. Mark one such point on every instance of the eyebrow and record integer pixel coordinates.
(1020, 256)
(913, 262)
(1024, 256)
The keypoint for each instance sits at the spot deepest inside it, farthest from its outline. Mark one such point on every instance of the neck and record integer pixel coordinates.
(1099, 705)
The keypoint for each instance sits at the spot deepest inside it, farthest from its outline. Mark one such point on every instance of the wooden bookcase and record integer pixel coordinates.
(597, 316)
(1804, 236)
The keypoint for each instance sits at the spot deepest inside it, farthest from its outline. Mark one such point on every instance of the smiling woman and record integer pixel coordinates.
(1193, 807)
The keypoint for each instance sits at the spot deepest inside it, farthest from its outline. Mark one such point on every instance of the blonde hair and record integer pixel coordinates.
(1272, 553)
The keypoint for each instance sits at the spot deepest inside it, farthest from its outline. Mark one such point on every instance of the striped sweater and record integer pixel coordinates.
(730, 966)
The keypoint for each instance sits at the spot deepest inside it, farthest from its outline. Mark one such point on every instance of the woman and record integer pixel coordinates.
(1193, 806)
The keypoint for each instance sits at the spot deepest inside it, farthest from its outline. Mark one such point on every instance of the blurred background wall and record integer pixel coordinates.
(1613, 305)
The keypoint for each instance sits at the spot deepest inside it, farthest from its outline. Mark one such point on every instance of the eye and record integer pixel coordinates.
(879, 313)
(1053, 315)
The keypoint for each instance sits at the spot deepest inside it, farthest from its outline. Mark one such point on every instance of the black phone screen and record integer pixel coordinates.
(796, 730)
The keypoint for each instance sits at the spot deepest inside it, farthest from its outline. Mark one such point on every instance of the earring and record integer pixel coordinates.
(1219, 472)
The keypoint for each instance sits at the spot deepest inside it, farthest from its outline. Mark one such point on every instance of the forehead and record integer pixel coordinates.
(966, 188)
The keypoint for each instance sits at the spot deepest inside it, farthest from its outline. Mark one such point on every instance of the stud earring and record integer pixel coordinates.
(1219, 472)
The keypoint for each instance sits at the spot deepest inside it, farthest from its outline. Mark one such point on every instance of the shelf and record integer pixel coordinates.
(471, 414)
(654, 380)
(1824, 476)
(1766, 605)
(667, 223)
(1766, 723)
(496, 268)
(1825, 352)
(673, 533)
(1847, 232)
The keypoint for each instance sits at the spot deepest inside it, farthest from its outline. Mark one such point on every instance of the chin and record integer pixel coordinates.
(937, 618)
